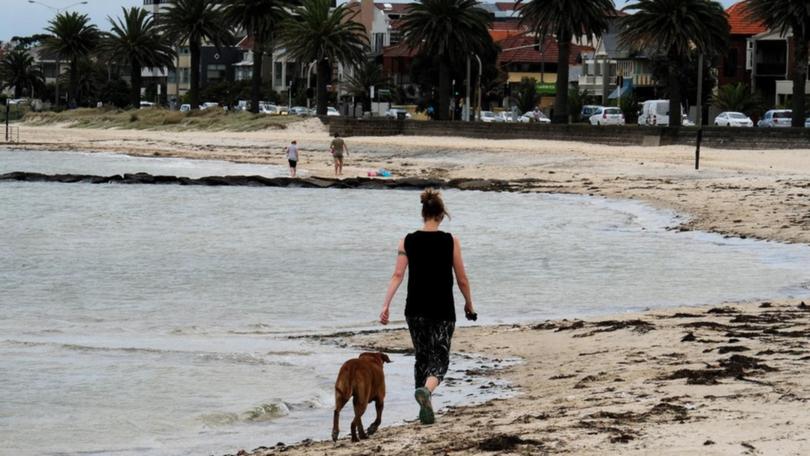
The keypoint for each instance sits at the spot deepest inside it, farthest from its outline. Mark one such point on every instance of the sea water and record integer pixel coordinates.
(163, 319)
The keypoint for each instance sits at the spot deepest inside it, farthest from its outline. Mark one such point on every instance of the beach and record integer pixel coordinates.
(729, 378)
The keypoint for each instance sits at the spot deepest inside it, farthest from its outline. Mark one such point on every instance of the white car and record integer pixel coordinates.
(185, 107)
(776, 118)
(299, 111)
(393, 113)
(503, 116)
(534, 116)
(208, 105)
(607, 116)
(487, 116)
(733, 119)
(147, 104)
(330, 111)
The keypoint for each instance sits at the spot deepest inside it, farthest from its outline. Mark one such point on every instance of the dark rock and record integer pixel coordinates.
(689, 337)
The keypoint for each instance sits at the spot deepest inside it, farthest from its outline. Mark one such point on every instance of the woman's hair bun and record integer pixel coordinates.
(432, 205)
(429, 195)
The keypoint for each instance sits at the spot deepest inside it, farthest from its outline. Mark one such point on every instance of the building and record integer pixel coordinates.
(610, 60)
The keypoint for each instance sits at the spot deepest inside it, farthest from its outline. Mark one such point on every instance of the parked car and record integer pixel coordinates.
(331, 111)
(394, 113)
(656, 113)
(487, 116)
(733, 119)
(185, 107)
(208, 105)
(534, 116)
(299, 111)
(147, 104)
(607, 116)
(776, 118)
(587, 112)
(268, 109)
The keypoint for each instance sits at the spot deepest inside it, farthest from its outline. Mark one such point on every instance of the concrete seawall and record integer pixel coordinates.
(717, 137)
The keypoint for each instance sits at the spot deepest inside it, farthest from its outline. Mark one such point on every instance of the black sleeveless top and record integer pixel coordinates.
(430, 276)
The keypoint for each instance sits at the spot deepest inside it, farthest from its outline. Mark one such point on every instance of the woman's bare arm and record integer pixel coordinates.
(396, 280)
(461, 276)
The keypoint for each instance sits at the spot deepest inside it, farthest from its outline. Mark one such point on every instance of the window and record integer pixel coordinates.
(172, 78)
(730, 67)
(215, 73)
(277, 74)
(379, 42)
(184, 50)
(184, 75)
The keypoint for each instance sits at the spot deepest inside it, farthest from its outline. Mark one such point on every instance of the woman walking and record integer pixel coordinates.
(433, 256)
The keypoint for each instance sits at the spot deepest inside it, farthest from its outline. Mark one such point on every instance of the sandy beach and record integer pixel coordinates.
(726, 379)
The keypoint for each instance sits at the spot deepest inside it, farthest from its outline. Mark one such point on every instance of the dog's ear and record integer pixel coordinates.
(385, 358)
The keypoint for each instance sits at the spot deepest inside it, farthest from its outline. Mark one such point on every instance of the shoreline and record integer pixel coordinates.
(759, 194)
(734, 382)
(669, 381)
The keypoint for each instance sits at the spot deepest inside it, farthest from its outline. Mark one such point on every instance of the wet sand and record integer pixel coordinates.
(712, 381)
(725, 380)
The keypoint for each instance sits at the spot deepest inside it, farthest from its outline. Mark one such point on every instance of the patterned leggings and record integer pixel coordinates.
(431, 344)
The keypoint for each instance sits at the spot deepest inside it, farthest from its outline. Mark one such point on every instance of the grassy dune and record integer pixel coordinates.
(161, 119)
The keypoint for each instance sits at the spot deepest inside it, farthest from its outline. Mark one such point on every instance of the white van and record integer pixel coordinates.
(656, 113)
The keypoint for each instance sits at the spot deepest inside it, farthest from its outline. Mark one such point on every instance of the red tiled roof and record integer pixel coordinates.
(527, 54)
(740, 23)
(398, 50)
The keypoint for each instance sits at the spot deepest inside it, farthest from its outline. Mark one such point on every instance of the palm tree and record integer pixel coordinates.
(258, 18)
(73, 37)
(447, 31)
(365, 76)
(738, 98)
(192, 22)
(789, 16)
(565, 19)
(329, 36)
(673, 28)
(135, 39)
(17, 70)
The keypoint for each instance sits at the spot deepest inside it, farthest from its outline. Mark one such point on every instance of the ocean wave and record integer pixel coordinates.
(229, 357)
(267, 411)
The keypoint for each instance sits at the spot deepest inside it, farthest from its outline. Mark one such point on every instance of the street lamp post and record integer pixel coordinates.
(58, 57)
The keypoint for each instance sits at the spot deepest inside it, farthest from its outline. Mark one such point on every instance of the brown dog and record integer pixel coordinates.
(361, 378)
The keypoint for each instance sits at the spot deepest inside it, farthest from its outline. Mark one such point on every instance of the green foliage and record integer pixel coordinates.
(17, 70)
(576, 99)
(135, 39)
(565, 19)
(316, 32)
(629, 106)
(447, 32)
(73, 37)
(525, 94)
(195, 22)
(674, 29)
(365, 76)
(789, 17)
(737, 97)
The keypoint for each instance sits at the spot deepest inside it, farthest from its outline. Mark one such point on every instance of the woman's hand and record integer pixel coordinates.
(384, 316)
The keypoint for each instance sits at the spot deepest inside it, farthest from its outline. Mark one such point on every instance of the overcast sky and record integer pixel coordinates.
(21, 18)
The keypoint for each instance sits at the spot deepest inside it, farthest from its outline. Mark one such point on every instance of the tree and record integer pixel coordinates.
(259, 18)
(738, 98)
(565, 19)
(673, 28)
(192, 22)
(73, 37)
(17, 70)
(788, 16)
(135, 39)
(525, 95)
(365, 76)
(447, 31)
(315, 32)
